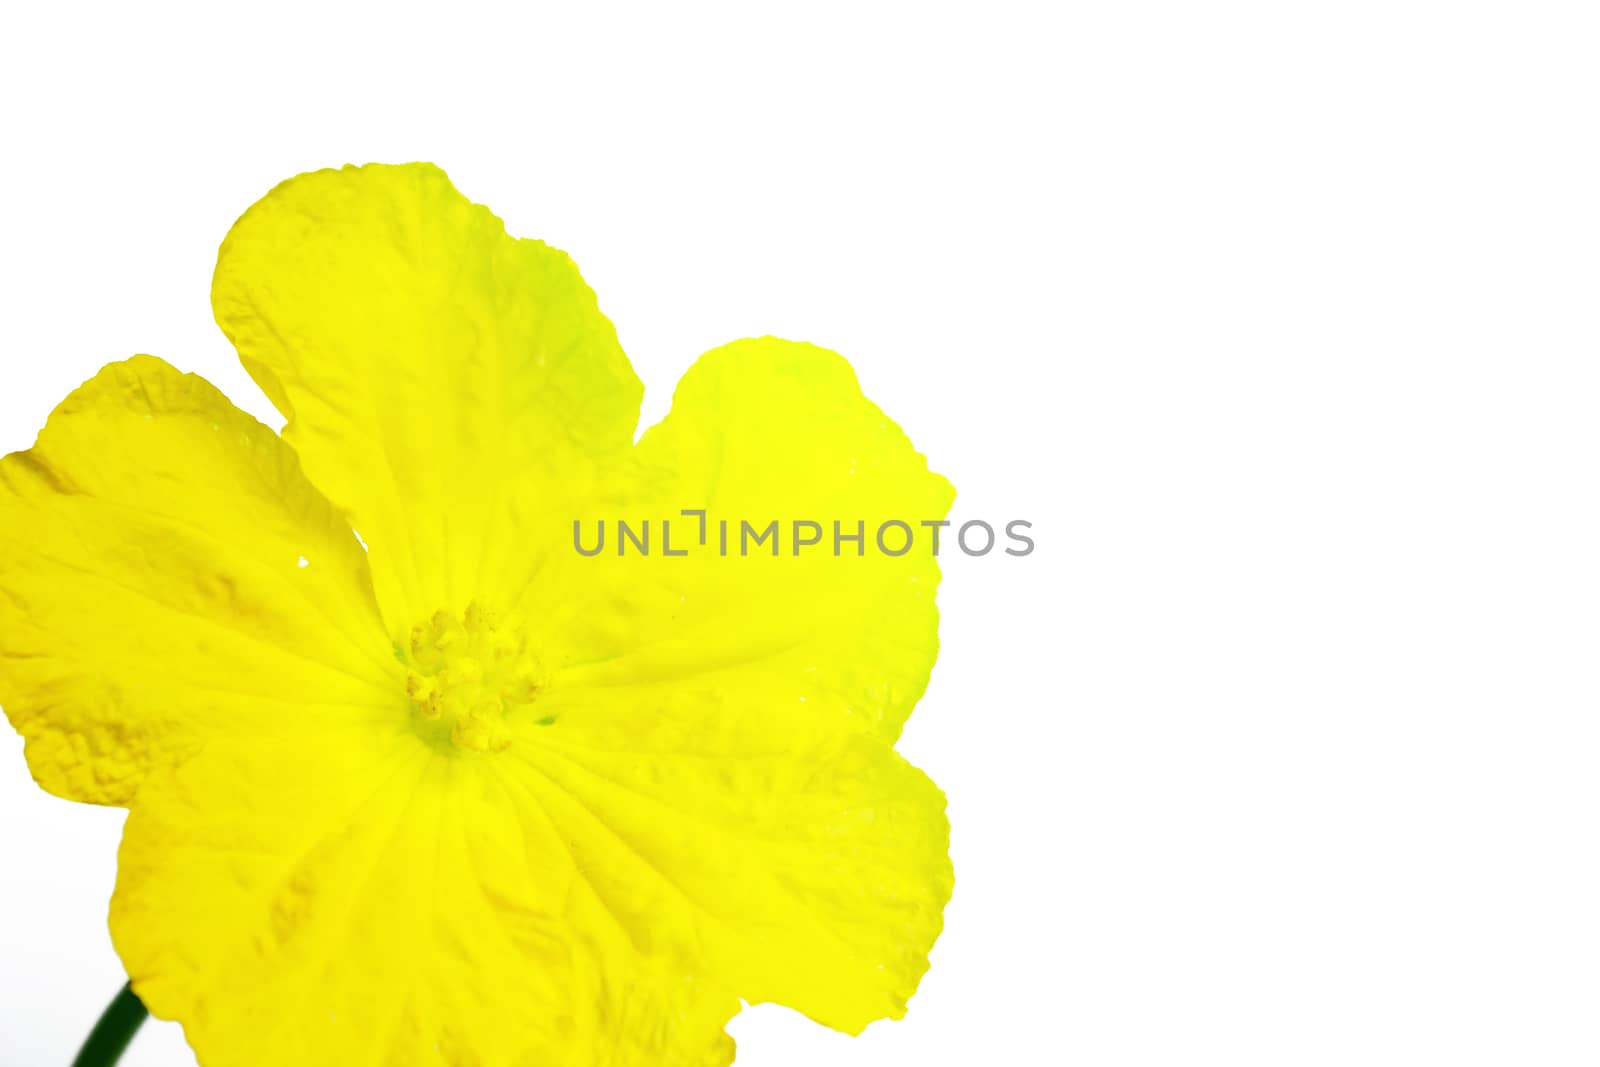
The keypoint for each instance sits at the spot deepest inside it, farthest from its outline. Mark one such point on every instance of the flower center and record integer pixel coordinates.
(468, 672)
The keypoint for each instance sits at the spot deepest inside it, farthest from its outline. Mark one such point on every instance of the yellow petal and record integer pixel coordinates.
(764, 431)
(798, 860)
(715, 742)
(435, 373)
(348, 901)
(168, 575)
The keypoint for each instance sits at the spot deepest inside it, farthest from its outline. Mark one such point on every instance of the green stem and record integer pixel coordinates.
(110, 1036)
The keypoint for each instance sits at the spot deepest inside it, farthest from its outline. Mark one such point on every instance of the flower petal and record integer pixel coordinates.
(800, 861)
(167, 574)
(715, 743)
(761, 431)
(349, 903)
(427, 364)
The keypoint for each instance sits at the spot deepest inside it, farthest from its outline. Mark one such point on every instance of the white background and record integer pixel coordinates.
(1279, 321)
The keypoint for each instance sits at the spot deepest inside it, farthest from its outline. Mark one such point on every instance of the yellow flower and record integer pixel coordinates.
(469, 796)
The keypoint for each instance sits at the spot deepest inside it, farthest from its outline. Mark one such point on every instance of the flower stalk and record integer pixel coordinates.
(110, 1036)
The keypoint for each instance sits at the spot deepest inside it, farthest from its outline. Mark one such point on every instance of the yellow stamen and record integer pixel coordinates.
(469, 674)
